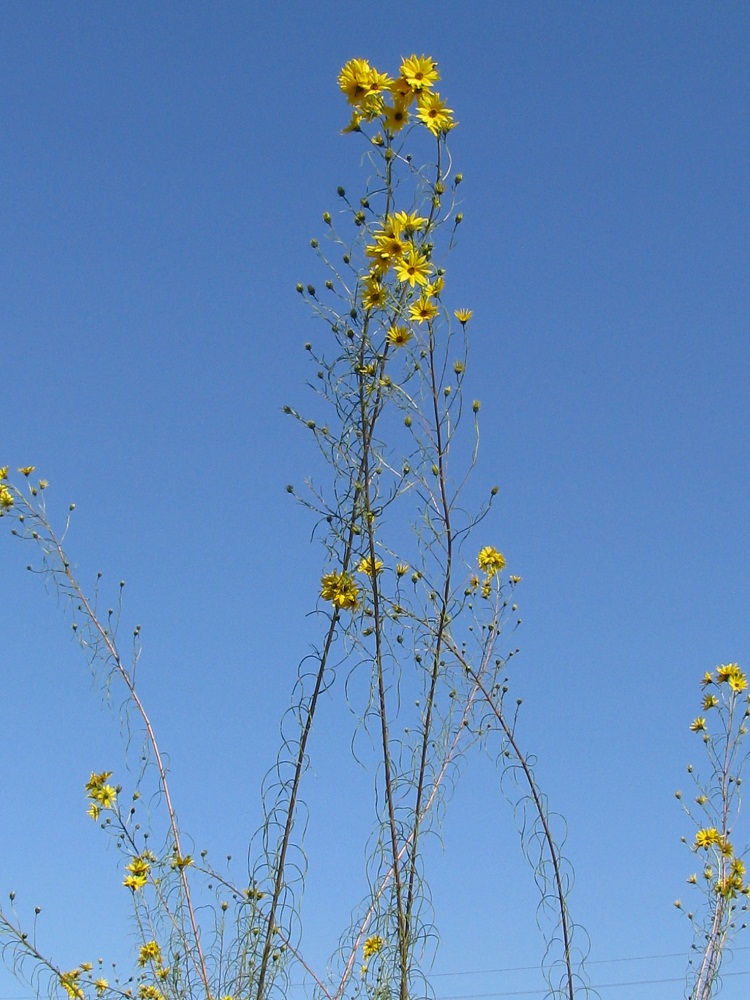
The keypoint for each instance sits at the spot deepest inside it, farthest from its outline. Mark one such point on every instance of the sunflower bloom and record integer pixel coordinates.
(423, 309)
(394, 118)
(354, 80)
(490, 560)
(698, 725)
(707, 837)
(374, 295)
(398, 336)
(365, 565)
(463, 315)
(150, 952)
(432, 112)
(373, 945)
(420, 72)
(341, 590)
(413, 267)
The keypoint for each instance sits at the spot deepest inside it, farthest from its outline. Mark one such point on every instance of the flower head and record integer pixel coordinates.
(354, 80)
(398, 336)
(150, 952)
(341, 590)
(373, 945)
(365, 565)
(413, 267)
(419, 72)
(490, 560)
(463, 315)
(424, 309)
(433, 113)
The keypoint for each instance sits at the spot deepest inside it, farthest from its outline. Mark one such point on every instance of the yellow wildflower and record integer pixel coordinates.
(707, 837)
(398, 336)
(365, 565)
(374, 295)
(710, 701)
(179, 861)
(423, 309)
(373, 945)
(490, 560)
(413, 267)
(6, 498)
(148, 992)
(402, 569)
(69, 982)
(463, 315)
(93, 811)
(150, 952)
(101, 985)
(105, 796)
(354, 80)
(341, 590)
(698, 725)
(432, 112)
(407, 222)
(395, 117)
(139, 869)
(26, 470)
(3, 473)
(419, 72)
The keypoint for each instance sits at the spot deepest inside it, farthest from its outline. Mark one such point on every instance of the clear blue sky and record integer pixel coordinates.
(163, 169)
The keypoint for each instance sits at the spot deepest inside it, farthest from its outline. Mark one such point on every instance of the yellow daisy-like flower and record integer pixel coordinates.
(419, 72)
(490, 560)
(386, 248)
(354, 80)
(150, 952)
(365, 565)
(710, 701)
(407, 222)
(433, 113)
(354, 123)
(707, 837)
(4, 472)
(69, 982)
(341, 590)
(463, 315)
(375, 295)
(698, 725)
(26, 470)
(93, 811)
(148, 992)
(402, 569)
(738, 682)
(435, 287)
(104, 796)
(394, 118)
(413, 267)
(6, 498)
(100, 985)
(373, 945)
(708, 678)
(180, 861)
(380, 83)
(139, 869)
(424, 309)
(398, 336)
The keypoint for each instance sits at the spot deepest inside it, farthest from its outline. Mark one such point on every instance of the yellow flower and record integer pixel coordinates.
(463, 315)
(365, 565)
(738, 681)
(436, 286)
(341, 590)
(26, 470)
(69, 982)
(407, 222)
(698, 725)
(380, 83)
(373, 945)
(708, 678)
(179, 862)
(105, 796)
(420, 72)
(148, 992)
(387, 245)
(490, 560)
(706, 837)
(402, 569)
(354, 80)
(710, 701)
(101, 985)
(394, 118)
(423, 309)
(6, 498)
(93, 811)
(514, 579)
(97, 780)
(139, 869)
(398, 336)
(3, 473)
(432, 112)
(354, 123)
(374, 295)
(413, 267)
(150, 952)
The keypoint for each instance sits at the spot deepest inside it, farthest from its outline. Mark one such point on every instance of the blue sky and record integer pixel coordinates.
(164, 167)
